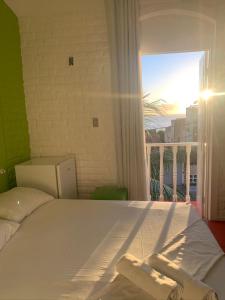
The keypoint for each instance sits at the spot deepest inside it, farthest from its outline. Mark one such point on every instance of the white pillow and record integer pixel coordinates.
(19, 202)
(7, 229)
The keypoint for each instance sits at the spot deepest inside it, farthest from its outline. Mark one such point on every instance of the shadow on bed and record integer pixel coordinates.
(123, 249)
(159, 243)
(67, 249)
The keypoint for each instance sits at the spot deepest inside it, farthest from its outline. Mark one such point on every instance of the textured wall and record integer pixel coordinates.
(14, 141)
(61, 99)
(176, 25)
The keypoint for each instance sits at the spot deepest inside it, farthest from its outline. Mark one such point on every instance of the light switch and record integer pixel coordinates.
(95, 122)
(71, 60)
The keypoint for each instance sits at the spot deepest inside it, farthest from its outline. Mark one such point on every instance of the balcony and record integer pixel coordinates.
(173, 162)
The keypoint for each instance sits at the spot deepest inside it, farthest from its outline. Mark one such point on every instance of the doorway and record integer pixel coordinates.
(171, 85)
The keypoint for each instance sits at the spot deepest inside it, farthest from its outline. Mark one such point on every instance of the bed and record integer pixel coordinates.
(67, 249)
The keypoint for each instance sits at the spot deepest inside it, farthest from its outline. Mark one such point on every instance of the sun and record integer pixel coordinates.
(181, 90)
(206, 94)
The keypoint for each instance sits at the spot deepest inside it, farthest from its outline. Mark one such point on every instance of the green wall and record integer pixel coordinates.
(14, 138)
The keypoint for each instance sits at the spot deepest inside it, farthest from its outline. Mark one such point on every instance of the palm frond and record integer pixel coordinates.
(167, 191)
(153, 107)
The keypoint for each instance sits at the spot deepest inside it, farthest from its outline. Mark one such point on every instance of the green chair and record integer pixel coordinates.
(110, 193)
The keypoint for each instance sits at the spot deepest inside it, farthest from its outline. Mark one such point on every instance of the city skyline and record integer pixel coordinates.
(159, 122)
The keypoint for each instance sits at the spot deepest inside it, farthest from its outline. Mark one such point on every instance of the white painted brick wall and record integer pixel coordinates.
(62, 100)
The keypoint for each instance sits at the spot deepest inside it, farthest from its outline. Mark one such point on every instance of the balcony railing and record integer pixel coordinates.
(188, 146)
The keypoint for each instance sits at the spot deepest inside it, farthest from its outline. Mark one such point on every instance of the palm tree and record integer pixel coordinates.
(153, 108)
(155, 165)
(167, 191)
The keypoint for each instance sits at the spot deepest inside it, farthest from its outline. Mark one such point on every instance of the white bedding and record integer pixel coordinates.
(67, 249)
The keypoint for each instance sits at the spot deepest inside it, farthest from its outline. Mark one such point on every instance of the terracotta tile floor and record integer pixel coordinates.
(217, 227)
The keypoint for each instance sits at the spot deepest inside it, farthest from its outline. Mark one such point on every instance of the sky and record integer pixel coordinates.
(173, 78)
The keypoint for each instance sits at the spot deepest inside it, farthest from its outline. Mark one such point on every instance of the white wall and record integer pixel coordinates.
(176, 26)
(175, 33)
(62, 100)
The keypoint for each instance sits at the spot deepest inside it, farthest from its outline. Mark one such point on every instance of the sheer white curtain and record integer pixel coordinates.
(123, 20)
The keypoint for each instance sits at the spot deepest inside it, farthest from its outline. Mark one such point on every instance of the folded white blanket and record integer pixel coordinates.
(195, 250)
(121, 289)
(193, 288)
(154, 283)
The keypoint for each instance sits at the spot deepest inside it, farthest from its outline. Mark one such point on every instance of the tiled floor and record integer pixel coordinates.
(218, 229)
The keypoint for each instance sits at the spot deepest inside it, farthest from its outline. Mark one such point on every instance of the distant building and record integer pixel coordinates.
(178, 130)
(168, 135)
(193, 174)
(184, 129)
(191, 124)
(161, 135)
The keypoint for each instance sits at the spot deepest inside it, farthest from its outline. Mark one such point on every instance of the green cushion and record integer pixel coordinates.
(110, 193)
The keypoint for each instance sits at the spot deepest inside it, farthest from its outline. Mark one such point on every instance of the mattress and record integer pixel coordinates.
(67, 249)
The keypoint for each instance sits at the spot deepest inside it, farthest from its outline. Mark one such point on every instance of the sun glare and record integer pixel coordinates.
(174, 78)
(206, 94)
(181, 90)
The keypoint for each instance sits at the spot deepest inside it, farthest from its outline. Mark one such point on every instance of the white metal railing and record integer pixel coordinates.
(161, 146)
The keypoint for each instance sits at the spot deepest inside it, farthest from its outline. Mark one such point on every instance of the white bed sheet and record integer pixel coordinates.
(67, 249)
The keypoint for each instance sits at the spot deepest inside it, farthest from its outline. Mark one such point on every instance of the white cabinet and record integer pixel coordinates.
(54, 175)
